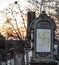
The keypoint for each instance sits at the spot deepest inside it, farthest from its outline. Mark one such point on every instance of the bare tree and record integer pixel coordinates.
(14, 14)
(37, 5)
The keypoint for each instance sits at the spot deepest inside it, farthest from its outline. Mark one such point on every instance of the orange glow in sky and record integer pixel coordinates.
(4, 26)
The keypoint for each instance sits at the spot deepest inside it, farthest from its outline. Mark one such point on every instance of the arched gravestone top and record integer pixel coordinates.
(43, 17)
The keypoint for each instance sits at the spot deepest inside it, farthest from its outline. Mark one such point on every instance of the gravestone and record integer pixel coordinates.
(43, 28)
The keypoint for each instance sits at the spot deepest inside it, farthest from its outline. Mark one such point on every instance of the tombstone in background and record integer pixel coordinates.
(43, 28)
(30, 17)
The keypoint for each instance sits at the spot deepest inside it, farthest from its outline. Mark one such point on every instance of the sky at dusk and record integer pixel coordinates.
(4, 3)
